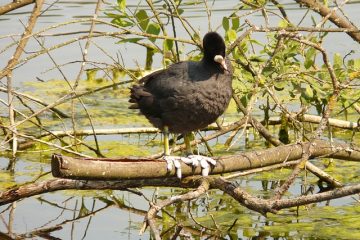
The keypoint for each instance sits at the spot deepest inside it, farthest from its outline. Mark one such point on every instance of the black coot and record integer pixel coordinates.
(188, 95)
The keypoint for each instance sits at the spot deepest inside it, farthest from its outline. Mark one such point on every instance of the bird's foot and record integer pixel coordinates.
(205, 163)
(193, 160)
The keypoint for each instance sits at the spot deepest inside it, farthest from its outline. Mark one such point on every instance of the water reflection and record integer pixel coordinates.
(95, 214)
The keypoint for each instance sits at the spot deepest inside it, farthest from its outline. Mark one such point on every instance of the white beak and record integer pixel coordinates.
(219, 59)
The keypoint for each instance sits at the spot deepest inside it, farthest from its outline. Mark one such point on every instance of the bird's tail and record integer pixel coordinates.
(136, 93)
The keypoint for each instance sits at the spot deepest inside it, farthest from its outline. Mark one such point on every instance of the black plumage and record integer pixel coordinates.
(188, 95)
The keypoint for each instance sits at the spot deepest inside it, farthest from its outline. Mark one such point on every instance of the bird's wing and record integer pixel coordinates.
(167, 82)
(162, 86)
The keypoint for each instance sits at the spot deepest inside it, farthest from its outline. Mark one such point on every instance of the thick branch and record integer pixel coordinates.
(14, 5)
(332, 121)
(52, 185)
(136, 168)
(244, 198)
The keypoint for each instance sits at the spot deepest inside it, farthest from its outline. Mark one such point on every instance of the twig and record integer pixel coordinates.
(161, 24)
(7, 71)
(319, 197)
(262, 130)
(281, 9)
(186, 26)
(322, 124)
(73, 88)
(149, 218)
(233, 126)
(306, 153)
(305, 29)
(334, 18)
(12, 127)
(24, 39)
(59, 226)
(238, 40)
(174, 31)
(261, 169)
(323, 175)
(47, 132)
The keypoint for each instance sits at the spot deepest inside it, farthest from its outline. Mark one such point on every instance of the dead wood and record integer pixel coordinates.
(32, 189)
(126, 173)
(142, 168)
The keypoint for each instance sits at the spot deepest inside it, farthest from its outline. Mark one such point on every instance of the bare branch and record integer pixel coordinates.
(24, 39)
(132, 168)
(15, 5)
(339, 21)
(155, 208)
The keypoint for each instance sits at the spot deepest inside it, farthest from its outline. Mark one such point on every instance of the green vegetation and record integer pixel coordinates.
(287, 66)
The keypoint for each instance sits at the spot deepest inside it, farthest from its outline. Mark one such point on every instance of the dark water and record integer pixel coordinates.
(113, 223)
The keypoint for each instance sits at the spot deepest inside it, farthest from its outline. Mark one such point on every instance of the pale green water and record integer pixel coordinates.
(112, 222)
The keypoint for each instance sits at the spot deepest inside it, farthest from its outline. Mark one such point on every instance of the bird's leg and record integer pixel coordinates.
(172, 161)
(196, 160)
(166, 141)
(187, 141)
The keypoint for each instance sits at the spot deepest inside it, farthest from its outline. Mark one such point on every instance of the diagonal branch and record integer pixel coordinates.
(264, 206)
(339, 21)
(24, 39)
(14, 5)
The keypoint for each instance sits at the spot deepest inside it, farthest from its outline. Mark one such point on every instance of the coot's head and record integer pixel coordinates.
(214, 49)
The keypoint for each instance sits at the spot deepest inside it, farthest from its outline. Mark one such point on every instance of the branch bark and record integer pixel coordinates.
(32, 189)
(257, 204)
(142, 168)
(14, 5)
